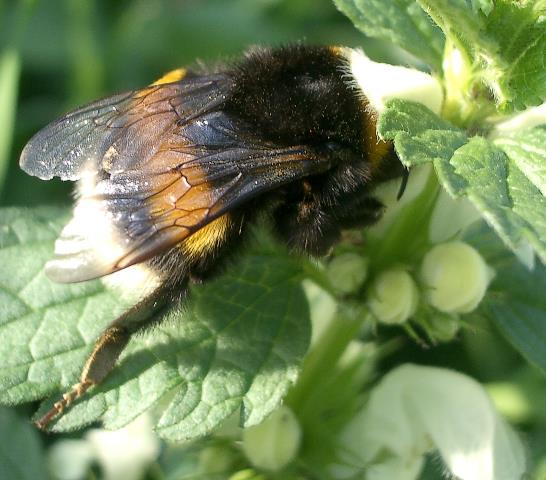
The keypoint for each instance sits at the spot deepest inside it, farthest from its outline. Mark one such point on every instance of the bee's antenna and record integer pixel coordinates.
(75, 392)
(403, 184)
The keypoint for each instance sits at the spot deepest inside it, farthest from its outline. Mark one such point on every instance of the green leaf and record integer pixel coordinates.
(402, 22)
(419, 135)
(506, 198)
(46, 329)
(485, 6)
(21, 454)
(515, 301)
(459, 19)
(527, 149)
(511, 66)
(499, 186)
(255, 331)
(238, 345)
(521, 79)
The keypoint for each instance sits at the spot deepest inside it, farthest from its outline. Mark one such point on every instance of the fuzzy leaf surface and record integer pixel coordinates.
(504, 192)
(237, 345)
(512, 66)
(47, 329)
(401, 22)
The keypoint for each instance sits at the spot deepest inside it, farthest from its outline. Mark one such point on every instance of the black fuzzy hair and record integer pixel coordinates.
(297, 94)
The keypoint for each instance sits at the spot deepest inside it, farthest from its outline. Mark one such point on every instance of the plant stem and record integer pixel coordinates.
(329, 348)
(10, 71)
(408, 235)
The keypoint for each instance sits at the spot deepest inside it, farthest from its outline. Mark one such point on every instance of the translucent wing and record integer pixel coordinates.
(128, 127)
(154, 167)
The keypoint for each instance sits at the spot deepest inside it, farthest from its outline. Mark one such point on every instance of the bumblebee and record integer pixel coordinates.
(171, 177)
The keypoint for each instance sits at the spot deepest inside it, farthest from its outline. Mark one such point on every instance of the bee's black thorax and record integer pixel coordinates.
(297, 95)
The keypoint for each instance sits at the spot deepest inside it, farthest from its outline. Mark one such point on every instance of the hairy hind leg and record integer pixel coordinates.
(109, 346)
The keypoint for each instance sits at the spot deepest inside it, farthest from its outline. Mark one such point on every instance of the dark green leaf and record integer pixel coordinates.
(21, 456)
(516, 300)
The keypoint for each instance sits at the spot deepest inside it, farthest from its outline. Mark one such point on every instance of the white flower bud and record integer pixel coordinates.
(216, 459)
(443, 327)
(456, 277)
(347, 272)
(247, 474)
(127, 452)
(275, 442)
(393, 297)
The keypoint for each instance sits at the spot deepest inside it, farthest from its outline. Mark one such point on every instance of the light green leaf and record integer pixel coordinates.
(521, 79)
(402, 22)
(238, 345)
(484, 6)
(501, 192)
(21, 456)
(459, 19)
(515, 301)
(475, 168)
(46, 329)
(527, 149)
(419, 135)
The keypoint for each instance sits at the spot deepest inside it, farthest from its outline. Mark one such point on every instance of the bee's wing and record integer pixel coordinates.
(91, 135)
(150, 177)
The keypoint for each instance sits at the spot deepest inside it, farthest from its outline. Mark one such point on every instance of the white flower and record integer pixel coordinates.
(455, 276)
(393, 297)
(395, 468)
(70, 459)
(381, 82)
(322, 308)
(275, 442)
(125, 453)
(417, 409)
(529, 118)
(450, 217)
(347, 272)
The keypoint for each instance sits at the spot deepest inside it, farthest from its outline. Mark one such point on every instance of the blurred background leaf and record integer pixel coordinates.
(18, 441)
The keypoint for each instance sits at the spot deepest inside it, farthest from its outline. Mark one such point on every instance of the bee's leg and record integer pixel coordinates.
(357, 209)
(109, 346)
(306, 227)
(311, 226)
